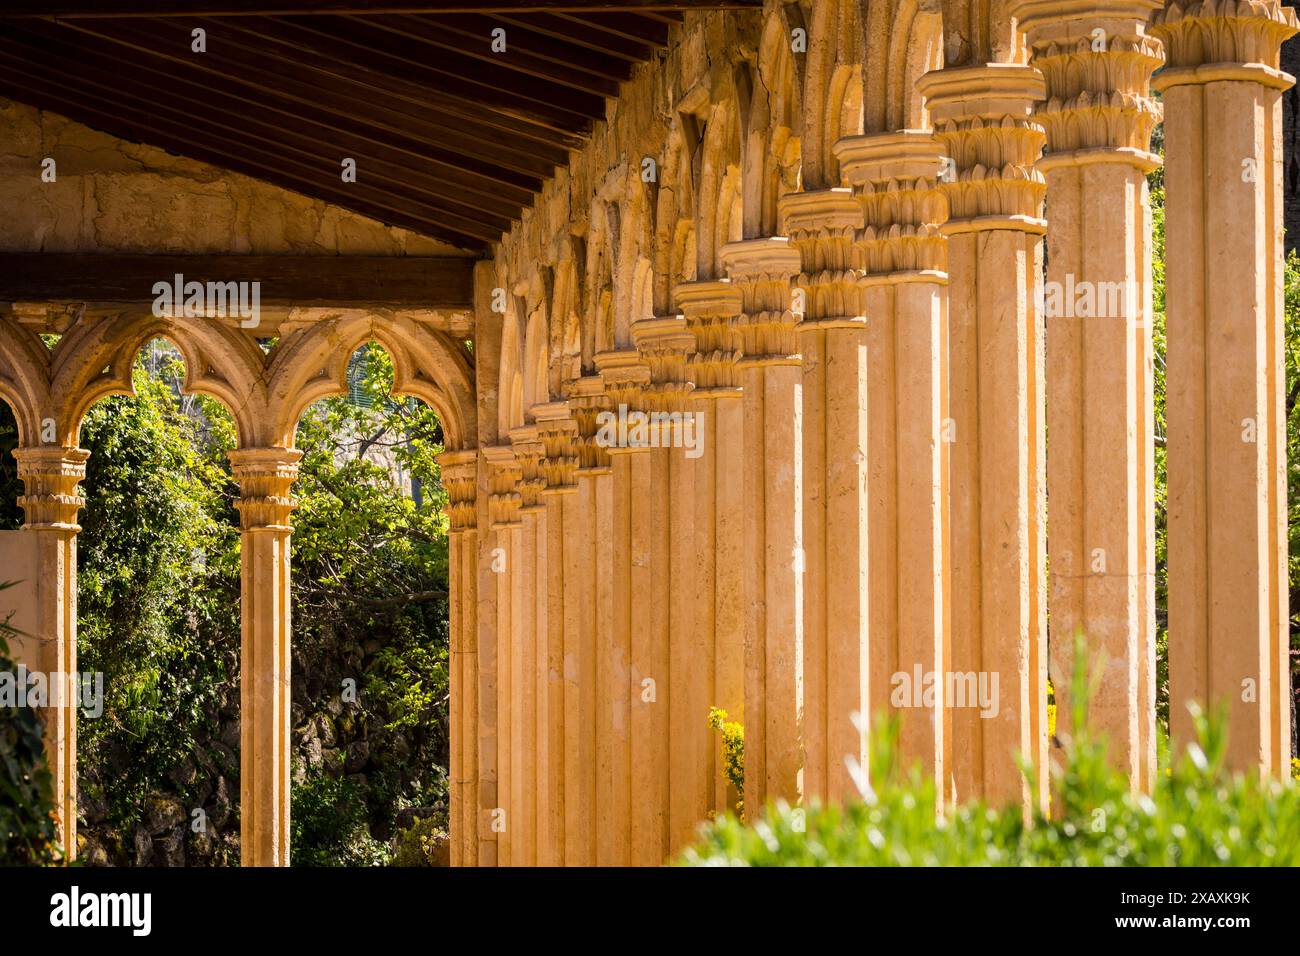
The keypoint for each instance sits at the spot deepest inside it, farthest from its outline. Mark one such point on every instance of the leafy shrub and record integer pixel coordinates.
(329, 824)
(424, 843)
(1198, 814)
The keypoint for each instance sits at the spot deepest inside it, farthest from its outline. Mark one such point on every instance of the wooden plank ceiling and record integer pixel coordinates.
(450, 139)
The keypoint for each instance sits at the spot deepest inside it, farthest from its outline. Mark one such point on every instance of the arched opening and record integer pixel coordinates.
(370, 745)
(158, 624)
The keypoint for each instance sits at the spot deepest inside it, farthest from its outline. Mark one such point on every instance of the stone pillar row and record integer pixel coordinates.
(871, 498)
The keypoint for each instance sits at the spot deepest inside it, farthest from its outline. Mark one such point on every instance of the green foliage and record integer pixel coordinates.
(1198, 815)
(1156, 184)
(424, 843)
(733, 752)
(158, 592)
(370, 588)
(26, 799)
(329, 825)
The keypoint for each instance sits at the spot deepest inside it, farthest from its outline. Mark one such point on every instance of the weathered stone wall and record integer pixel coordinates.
(111, 195)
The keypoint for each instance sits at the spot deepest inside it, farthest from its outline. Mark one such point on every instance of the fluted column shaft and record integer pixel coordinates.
(1228, 581)
(51, 505)
(265, 477)
(761, 269)
(983, 118)
(527, 617)
(460, 478)
(832, 339)
(904, 294)
(1098, 116)
(616, 481)
(712, 309)
(557, 590)
(497, 696)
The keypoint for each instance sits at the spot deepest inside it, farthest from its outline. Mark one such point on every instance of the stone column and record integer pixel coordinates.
(558, 433)
(641, 553)
(983, 117)
(460, 478)
(761, 270)
(905, 297)
(606, 511)
(665, 344)
(832, 338)
(265, 477)
(526, 586)
(1228, 598)
(1099, 116)
(498, 698)
(712, 310)
(50, 477)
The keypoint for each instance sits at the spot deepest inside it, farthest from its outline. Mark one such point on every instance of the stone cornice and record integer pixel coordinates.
(50, 476)
(762, 270)
(460, 478)
(712, 310)
(265, 477)
(984, 119)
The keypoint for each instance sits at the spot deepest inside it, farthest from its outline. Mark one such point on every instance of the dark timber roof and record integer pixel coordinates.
(450, 139)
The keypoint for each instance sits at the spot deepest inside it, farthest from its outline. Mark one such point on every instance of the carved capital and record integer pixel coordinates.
(984, 119)
(504, 497)
(50, 477)
(665, 345)
(460, 478)
(712, 310)
(896, 177)
(557, 430)
(529, 452)
(1097, 59)
(824, 225)
(761, 270)
(265, 477)
(1209, 40)
(587, 398)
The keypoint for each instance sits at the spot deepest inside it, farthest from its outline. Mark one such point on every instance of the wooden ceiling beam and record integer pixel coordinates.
(532, 93)
(397, 85)
(241, 114)
(582, 35)
(388, 281)
(317, 89)
(242, 8)
(314, 39)
(629, 26)
(537, 43)
(456, 48)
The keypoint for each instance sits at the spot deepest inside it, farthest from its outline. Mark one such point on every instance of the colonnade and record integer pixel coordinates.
(853, 279)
